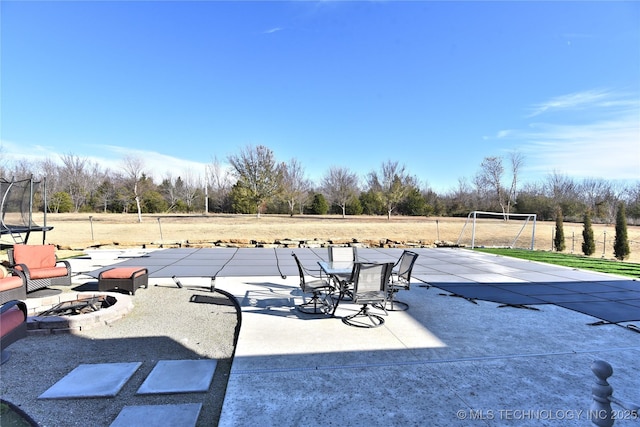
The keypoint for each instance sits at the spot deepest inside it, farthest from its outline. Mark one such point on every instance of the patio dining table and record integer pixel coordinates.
(340, 273)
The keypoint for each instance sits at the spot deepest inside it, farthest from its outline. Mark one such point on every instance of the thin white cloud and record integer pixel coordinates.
(605, 145)
(589, 134)
(156, 165)
(273, 30)
(572, 101)
(607, 150)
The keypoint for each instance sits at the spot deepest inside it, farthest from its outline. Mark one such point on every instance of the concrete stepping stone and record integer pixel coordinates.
(183, 415)
(179, 376)
(92, 380)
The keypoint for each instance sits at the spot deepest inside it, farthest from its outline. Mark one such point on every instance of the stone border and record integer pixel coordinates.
(112, 247)
(45, 325)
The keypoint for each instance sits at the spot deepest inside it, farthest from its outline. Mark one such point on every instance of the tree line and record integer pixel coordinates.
(256, 182)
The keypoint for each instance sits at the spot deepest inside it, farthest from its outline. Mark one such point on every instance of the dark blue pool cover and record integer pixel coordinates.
(465, 273)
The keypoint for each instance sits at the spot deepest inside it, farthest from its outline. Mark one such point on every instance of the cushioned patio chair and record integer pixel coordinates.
(40, 266)
(13, 285)
(13, 325)
(401, 279)
(370, 281)
(320, 289)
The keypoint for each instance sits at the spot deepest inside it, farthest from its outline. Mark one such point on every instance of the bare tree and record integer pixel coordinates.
(460, 200)
(392, 183)
(563, 191)
(257, 171)
(491, 175)
(517, 161)
(133, 167)
(294, 185)
(169, 191)
(219, 183)
(632, 193)
(4, 161)
(190, 189)
(340, 185)
(106, 191)
(51, 171)
(600, 196)
(76, 178)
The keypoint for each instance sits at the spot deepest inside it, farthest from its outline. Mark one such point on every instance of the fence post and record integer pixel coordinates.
(160, 226)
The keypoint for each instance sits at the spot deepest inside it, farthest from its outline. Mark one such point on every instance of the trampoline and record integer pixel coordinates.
(17, 201)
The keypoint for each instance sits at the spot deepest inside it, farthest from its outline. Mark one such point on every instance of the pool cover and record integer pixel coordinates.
(464, 273)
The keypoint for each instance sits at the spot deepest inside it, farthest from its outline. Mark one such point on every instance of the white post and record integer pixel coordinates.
(473, 231)
(533, 232)
(206, 191)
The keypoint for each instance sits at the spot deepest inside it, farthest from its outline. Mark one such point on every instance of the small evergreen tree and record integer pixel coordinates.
(558, 241)
(61, 202)
(588, 241)
(319, 205)
(621, 246)
(354, 207)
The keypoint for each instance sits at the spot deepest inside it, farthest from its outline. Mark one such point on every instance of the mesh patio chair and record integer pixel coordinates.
(370, 282)
(344, 254)
(320, 289)
(401, 279)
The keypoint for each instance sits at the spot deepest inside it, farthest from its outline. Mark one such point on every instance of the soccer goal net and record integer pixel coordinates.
(498, 230)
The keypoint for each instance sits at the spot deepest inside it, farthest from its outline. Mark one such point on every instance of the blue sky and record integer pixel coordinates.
(437, 86)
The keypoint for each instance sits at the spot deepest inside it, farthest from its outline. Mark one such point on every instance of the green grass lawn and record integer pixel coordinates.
(568, 260)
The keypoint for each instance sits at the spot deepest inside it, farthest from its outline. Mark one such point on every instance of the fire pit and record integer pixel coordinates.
(80, 306)
(71, 312)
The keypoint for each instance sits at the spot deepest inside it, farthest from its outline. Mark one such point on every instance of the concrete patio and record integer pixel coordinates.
(444, 362)
(447, 361)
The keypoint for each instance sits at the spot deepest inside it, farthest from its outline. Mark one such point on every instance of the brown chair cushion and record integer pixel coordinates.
(10, 320)
(35, 256)
(123, 272)
(46, 273)
(10, 282)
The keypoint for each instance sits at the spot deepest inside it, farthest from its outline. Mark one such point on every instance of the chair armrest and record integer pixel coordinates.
(21, 268)
(21, 274)
(65, 263)
(10, 304)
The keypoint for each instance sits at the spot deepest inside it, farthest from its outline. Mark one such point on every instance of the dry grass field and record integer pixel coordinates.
(78, 231)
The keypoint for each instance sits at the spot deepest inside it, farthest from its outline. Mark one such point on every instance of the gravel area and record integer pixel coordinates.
(166, 323)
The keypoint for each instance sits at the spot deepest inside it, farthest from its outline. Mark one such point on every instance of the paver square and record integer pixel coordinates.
(92, 380)
(179, 376)
(184, 415)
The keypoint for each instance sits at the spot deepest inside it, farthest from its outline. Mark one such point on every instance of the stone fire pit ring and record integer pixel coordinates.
(44, 325)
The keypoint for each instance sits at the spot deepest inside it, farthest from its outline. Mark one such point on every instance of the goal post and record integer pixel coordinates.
(498, 230)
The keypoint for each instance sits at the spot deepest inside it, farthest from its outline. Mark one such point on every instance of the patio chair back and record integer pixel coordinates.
(343, 254)
(302, 272)
(318, 303)
(370, 282)
(402, 276)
